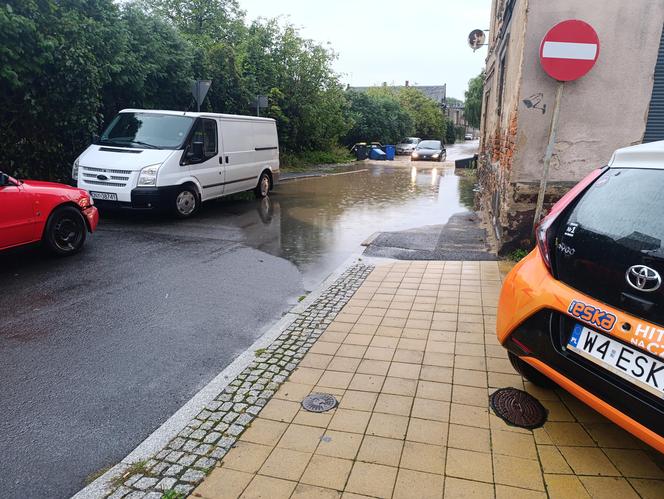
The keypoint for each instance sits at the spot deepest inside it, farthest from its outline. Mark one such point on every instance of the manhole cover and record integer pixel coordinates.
(319, 402)
(518, 408)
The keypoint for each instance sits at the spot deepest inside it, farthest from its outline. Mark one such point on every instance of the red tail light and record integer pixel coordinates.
(542, 233)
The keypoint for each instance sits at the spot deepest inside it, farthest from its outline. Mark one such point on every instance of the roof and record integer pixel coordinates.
(649, 155)
(196, 115)
(434, 92)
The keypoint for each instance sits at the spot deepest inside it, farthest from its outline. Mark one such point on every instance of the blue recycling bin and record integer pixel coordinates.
(390, 152)
(377, 153)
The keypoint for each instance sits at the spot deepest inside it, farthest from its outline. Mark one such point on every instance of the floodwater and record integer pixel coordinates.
(317, 223)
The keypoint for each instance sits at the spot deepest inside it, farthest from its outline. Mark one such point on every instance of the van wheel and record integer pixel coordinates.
(530, 373)
(185, 202)
(263, 187)
(65, 231)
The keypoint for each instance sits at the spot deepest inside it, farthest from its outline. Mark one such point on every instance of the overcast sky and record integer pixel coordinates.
(423, 41)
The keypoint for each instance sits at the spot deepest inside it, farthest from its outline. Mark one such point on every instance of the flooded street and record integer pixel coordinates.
(321, 221)
(154, 308)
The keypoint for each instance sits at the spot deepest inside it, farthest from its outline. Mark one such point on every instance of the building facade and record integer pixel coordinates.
(620, 102)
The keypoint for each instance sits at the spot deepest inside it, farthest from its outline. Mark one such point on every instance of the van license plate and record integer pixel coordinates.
(104, 196)
(629, 363)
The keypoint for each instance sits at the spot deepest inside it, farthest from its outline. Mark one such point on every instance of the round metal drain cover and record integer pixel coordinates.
(319, 402)
(518, 408)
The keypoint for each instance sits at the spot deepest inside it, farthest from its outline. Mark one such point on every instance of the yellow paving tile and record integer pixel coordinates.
(634, 463)
(369, 366)
(552, 460)
(399, 386)
(568, 434)
(409, 356)
(467, 489)
(648, 489)
(378, 353)
(565, 487)
(469, 415)
(328, 472)
(264, 431)
(262, 487)
(435, 410)
(423, 457)
(375, 480)
(301, 438)
(380, 450)
(608, 487)
(470, 362)
(412, 484)
(367, 382)
(246, 456)
(438, 359)
(470, 395)
(436, 373)
(303, 491)
(434, 390)
(610, 435)
(393, 404)
(404, 370)
(469, 377)
(285, 463)
(361, 401)
(335, 379)
(507, 492)
(339, 444)
(223, 483)
(344, 364)
(349, 420)
(518, 472)
(513, 444)
(280, 410)
(427, 431)
(469, 438)
(388, 425)
(293, 391)
(470, 465)
(320, 419)
(588, 461)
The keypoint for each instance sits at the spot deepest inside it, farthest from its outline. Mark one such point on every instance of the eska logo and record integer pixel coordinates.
(593, 315)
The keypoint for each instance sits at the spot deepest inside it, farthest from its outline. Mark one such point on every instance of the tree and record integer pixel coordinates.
(377, 117)
(473, 107)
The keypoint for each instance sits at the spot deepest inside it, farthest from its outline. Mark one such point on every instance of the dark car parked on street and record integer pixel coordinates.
(429, 150)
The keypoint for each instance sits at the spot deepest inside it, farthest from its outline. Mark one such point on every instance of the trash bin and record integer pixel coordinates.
(390, 152)
(360, 151)
(377, 153)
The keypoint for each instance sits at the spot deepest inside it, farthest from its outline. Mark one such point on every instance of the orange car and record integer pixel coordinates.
(585, 309)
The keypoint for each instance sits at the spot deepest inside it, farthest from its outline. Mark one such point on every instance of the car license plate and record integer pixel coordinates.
(104, 196)
(629, 363)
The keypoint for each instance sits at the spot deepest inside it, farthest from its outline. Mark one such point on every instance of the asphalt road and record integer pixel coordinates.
(97, 350)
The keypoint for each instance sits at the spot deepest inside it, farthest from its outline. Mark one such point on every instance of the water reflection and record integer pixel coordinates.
(317, 223)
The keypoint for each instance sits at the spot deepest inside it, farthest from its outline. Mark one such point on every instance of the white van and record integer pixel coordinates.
(175, 160)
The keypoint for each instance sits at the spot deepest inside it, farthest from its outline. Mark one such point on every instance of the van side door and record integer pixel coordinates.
(239, 155)
(201, 156)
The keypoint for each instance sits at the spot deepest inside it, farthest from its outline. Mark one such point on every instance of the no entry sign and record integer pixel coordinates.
(569, 50)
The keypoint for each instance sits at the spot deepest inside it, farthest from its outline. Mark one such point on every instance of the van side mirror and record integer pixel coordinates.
(4, 180)
(94, 138)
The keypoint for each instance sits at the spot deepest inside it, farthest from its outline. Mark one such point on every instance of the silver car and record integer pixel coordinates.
(407, 145)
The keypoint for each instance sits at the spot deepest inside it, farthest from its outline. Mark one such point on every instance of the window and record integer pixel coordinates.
(205, 131)
(147, 130)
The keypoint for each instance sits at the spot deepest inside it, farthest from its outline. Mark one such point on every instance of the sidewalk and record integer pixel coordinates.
(412, 358)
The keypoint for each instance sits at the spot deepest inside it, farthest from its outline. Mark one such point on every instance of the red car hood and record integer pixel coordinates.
(54, 189)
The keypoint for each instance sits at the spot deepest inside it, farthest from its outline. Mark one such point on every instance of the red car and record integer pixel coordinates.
(56, 214)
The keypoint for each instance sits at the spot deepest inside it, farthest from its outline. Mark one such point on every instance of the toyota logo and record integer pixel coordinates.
(643, 278)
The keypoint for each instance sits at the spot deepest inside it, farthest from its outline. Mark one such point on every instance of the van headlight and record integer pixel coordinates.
(415, 155)
(148, 176)
(74, 170)
(436, 156)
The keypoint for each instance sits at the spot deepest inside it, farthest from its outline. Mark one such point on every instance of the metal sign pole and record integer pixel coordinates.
(549, 152)
(198, 92)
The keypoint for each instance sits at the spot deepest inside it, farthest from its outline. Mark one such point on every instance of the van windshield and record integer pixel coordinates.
(147, 130)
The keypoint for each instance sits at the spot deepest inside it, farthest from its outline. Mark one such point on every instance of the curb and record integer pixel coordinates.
(158, 439)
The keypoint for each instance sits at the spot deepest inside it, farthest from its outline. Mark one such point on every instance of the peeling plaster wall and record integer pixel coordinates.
(601, 112)
(604, 110)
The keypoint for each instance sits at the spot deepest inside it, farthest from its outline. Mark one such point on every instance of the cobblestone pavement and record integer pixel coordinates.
(412, 358)
(189, 457)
